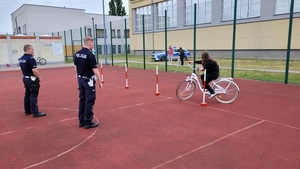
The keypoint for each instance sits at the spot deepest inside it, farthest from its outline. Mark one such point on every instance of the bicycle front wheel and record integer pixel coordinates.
(185, 90)
(227, 91)
(42, 61)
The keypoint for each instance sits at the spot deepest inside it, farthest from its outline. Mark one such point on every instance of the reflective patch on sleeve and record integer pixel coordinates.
(22, 61)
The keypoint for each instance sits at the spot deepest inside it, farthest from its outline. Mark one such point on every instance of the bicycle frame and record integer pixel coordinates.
(219, 88)
(194, 78)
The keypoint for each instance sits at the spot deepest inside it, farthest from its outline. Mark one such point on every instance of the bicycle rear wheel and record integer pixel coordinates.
(185, 90)
(227, 91)
(42, 61)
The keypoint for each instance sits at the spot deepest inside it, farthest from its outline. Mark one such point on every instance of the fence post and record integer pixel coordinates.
(195, 22)
(111, 44)
(144, 54)
(166, 41)
(72, 42)
(233, 39)
(81, 37)
(125, 36)
(289, 43)
(66, 49)
(96, 44)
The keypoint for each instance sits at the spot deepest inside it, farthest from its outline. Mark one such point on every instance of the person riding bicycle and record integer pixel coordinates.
(212, 71)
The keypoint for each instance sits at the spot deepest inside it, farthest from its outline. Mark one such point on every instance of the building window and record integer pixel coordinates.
(119, 48)
(114, 49)
(128, 48)
(127, 33)
(119, 33)
(139, 12)
(100, 33)
(89, 32)
(245, 9)
(203, 13)
(19, 30)
(113, 33)
(99, 48)
(24, 30)
(171, 7)
(283, 6)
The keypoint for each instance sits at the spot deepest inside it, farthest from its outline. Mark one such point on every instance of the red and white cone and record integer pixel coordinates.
(204, 87)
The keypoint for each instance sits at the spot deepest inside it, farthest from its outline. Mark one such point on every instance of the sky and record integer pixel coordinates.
(7, 7)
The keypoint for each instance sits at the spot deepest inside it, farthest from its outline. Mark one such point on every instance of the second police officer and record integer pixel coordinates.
(87, 74)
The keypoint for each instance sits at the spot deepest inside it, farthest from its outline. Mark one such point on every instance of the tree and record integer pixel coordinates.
(112, 8)
(116, 8)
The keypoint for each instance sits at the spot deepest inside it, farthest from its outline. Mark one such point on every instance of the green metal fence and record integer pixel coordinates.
(236, 52)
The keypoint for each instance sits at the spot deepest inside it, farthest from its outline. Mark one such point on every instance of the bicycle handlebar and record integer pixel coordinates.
(193, 67)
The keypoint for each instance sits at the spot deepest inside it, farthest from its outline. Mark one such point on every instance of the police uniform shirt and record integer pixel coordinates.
(27, 63)
(85, 62)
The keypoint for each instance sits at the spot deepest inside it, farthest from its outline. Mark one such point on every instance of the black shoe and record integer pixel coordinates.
(91, 125)
(39, 114)
(28, 113)
(81, 124)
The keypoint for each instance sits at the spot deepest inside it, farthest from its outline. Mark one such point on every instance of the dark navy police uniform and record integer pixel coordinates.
(85, 62)
(32, 84)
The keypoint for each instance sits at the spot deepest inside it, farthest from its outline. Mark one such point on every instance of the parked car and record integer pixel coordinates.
(161, 56)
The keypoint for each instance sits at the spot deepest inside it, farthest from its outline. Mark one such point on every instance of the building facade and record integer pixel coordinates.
(72, 25)
(261, 30)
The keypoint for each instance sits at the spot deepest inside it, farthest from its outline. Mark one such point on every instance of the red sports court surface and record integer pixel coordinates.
(261, 129)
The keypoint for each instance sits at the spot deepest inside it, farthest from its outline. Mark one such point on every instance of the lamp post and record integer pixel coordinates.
(152, 7)
(93, 28)
(105, 48)
(95, 38)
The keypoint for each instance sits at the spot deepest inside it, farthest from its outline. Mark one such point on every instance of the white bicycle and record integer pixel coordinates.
(41, 61)
(226, 90)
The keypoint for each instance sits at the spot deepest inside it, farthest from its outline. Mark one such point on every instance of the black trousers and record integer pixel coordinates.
(209, 77)
(182, 60)
(31, 95)
(87, 97)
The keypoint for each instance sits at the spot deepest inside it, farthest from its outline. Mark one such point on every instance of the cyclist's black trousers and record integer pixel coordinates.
(209, 77)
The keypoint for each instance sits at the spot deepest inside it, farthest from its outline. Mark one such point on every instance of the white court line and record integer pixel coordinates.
(243, 115)
(280, 124)
(65, 152)
(208, 144)
(31, 127)
(135, 105)
(256, 118)
(273, 93)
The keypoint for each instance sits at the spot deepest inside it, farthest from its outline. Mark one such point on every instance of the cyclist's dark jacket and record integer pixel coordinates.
(210, 66)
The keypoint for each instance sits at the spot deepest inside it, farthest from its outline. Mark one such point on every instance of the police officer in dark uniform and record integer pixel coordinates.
(181, 56)
(87, 74)
(31, 80)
